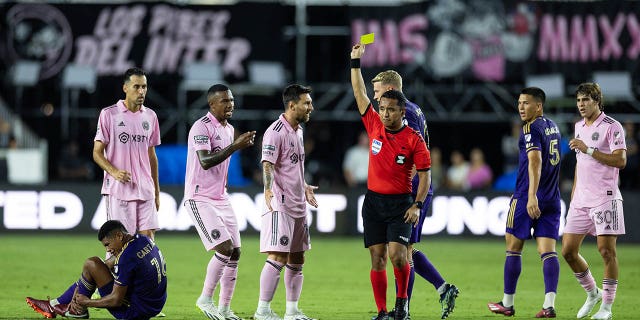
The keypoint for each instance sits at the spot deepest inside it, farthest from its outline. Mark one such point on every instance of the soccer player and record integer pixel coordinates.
(210, 145)
(124, 147)
(284, 234)
(389, 210)
(596, 202)
(418, 261)
(535, 204)
(133, 287)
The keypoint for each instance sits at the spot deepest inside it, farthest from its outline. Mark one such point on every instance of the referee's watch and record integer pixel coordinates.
(418, 204)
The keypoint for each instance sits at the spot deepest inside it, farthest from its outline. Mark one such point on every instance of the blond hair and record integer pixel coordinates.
(389, 77)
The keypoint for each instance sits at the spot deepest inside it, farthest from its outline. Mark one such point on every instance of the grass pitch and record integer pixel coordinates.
(336, 284)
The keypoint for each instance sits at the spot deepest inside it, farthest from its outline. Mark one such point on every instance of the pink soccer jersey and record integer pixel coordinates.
(128, 137)
(597, 183)
(200, 184)
(284, 147)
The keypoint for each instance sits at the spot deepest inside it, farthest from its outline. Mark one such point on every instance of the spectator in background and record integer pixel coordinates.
(510, 149)
(630, 175)
(480, 174)
(437, 169)
(7, 139)
(71, 166)
(458, 172)
(356, 162)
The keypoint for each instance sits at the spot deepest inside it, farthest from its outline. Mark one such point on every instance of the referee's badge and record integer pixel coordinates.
(376, 146)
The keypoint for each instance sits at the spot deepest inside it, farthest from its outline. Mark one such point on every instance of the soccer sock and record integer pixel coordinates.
(512, 269)
(85, 287)
(67, 296)
(412, 277)
(402, 278)
(425, 269)
(228, 283)
(269, 278)
(214, 273)
(551, 273)
(549, 300)
(293, 279)
(609, 287)
(587, 282)
(379, 285)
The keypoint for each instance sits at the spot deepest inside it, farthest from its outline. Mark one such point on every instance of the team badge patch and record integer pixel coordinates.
(284, 240)
(595, 136)
(145, 125)
(376, 146)
(215, 234)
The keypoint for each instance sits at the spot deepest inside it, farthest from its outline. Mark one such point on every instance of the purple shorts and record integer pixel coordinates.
(416, 230)
(520, 224)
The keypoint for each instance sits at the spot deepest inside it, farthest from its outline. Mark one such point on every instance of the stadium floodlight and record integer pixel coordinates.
(75, 77)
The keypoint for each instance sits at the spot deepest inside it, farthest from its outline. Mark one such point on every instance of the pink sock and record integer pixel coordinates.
(293, 281)
(228, 282)
(609, 287)
(586, 280)
(269, 279)
(214, 272)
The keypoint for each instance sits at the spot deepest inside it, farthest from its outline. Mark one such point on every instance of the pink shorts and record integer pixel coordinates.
(135, 215)
(605, 219)
(282, 233)
(215, 221)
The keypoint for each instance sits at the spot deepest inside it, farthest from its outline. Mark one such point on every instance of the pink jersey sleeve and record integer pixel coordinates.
(615, 137)
(270, 146)
(154, 139)
(198, 137)
(102, 132)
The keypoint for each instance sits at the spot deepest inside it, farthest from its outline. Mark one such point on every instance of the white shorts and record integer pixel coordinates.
(215, 221)
(605, 219)
(135, 215)
(282, 233)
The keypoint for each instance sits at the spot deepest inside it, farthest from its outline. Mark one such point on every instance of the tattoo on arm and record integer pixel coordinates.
(267, 174)
(209, 159)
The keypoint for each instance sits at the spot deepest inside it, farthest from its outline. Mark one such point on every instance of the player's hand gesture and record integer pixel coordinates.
(532, 208)
(357, 51)
(578, 145)
(268, 195)
(412, 214)
(122, 175)
(245, 140)
(311, 198)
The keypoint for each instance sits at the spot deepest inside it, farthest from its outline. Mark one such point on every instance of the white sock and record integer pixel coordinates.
(606, 306)
(507, 300)
(441, 288)
(263, 306)
(292, 307)
(204, 300)
(222, 308)
(54, 302)
(549, 300)
(593, 293)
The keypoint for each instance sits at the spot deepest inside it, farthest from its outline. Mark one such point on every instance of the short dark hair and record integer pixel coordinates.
(536, 93)
(292, 93)
(109, 227)
(219, 87)
(396, 95)
(132, 72)
(593, 91)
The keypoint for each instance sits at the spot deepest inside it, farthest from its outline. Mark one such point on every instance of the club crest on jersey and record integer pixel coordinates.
(400, 158)
(284, 240)
(376, 146)
(595, 136)
(145, 125)
(215, 234)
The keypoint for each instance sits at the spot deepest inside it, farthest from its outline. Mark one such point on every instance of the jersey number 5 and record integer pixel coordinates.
(554, 152)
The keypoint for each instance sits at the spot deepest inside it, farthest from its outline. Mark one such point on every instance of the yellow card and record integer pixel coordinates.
(367, 38)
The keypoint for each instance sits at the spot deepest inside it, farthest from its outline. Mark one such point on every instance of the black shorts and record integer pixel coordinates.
(383, 218)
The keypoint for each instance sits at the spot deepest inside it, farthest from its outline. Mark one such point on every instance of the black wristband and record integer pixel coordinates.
(355, 63)
(418, 204)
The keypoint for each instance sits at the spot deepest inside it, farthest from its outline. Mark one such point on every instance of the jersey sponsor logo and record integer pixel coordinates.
(200, 139)
(400, 158)
(284, 240)
(125, 137)
(215, 234)
(145, 125)
(376, 146)
(294, 158)
(595, 136)
(121, 124)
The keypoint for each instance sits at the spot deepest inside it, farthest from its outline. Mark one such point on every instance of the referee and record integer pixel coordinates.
(389, 210)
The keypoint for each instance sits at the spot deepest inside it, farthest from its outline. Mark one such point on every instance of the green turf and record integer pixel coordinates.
(336, 282)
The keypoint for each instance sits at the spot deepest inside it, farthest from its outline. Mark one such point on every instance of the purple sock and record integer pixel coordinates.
(85, 287)
(425, 269)
(550, 270)
(66, 297)
(512, 268)
(412, 277)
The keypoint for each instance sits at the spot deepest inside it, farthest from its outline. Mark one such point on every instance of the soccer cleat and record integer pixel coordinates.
(589, 304)
(160, 315)
(448, 300)
(269, 315)
(77, 315)
(210, 310)
(60, 309)
(229, 315)
(546, 313)
(602, 315)
(401, 309)
(499, 308)
(297, 316)
(382, 315)
(42, 307)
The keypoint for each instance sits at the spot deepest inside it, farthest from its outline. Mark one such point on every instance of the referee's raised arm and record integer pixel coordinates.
(357, 82)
